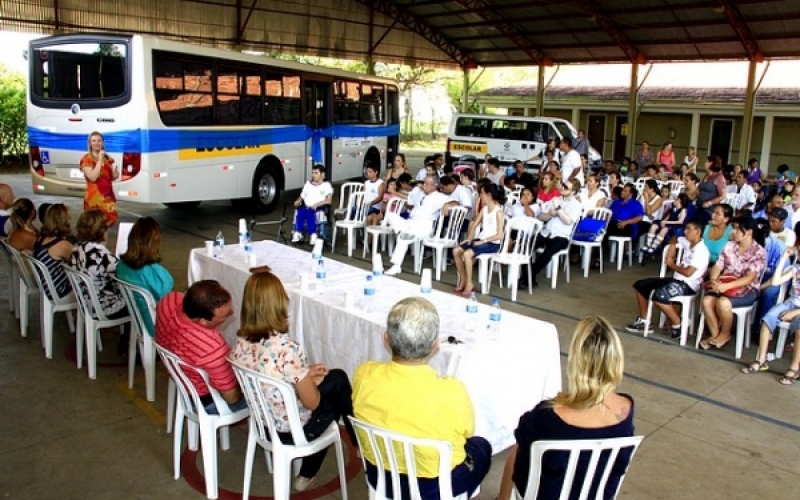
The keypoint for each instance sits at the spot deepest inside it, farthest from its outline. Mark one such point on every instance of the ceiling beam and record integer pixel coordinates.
(420, 26)
(739, 25)
(618, 35)
(511, 31)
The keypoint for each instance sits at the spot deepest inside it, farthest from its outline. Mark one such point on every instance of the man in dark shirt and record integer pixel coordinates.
(522, 177)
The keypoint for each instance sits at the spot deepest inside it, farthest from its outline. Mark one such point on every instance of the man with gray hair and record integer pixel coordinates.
(407, 396)
(420, 222)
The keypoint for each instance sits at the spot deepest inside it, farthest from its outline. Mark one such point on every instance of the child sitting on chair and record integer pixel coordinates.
(311, 205)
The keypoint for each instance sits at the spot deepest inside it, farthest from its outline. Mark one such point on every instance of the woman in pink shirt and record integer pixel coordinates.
(666, 157)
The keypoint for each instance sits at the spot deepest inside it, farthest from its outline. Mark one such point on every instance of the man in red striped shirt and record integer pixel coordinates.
(186, 325)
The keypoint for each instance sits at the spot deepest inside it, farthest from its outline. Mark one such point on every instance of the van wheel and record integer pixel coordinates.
(266, 189)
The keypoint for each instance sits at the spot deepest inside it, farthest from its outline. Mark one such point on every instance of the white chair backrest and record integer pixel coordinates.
(675, 188)
(527, 228)
(86, 293)
(595, 449)
(390, 450)
(598, 213)
(22, 267)
(455, 219)
(45, 281)
(678, 258)
(258, 390)
(356, 208)
(123, 231)
(346, 190)
(133, 295)
(731, 199)
(187, 392)
(395, 205)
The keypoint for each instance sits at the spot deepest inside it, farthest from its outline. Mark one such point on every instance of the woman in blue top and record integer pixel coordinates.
(589, 409)
(140, 265)
(718, 232)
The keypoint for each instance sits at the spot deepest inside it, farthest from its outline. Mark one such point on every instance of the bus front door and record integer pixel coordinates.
(317, 96)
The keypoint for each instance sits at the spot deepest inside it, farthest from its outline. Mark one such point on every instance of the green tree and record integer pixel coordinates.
(13, 133)
(408, 78)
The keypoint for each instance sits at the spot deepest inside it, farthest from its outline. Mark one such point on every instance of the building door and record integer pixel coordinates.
(721, 139)
(597, 133)
(620, 137)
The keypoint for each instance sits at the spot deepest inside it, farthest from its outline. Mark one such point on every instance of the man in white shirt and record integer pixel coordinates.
(686, 280)
(420, 222)
(571, 164)
(455, 191)
(559, 219)
(747, 197)
(310, 206)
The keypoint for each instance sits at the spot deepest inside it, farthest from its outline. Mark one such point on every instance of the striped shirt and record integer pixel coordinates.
(42, 254)
(194, 344)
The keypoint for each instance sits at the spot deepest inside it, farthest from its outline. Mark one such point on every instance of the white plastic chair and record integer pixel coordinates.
(191, 408)
(688, 303)
(26, 288)
(94, 318)
(586, 247)
(595, 448)
(444, 238)
(264, 433)
(123, 231)
(618, 249)
(140, 336)
(675, 188)
(345, 190)
(49, 306)
(783, 326)
(387, 442)
(355, 218)
(731, 199)
(744, 318)
(519, 254)
(382, 231)
(556, 261)
(12, 277)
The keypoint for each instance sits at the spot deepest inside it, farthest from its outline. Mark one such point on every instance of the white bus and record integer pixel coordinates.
(188, 123)
(508, 138)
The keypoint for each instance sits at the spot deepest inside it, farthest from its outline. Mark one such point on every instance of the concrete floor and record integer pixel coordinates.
(711, 432)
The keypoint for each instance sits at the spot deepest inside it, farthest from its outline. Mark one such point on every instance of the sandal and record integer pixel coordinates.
(458, 289)
(705, 344)
(718, 344)
(789, 377)
(755, 367)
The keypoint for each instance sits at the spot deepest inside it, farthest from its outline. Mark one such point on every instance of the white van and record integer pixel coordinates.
(508, 138)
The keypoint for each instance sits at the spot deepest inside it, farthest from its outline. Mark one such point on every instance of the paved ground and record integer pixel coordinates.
(710, 431)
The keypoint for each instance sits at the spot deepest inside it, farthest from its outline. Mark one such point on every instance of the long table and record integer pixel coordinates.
(506, 372)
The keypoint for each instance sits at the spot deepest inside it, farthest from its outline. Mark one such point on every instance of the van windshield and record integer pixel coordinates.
(566, 130)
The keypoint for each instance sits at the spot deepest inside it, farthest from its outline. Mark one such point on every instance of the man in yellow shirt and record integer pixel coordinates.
(408, 396)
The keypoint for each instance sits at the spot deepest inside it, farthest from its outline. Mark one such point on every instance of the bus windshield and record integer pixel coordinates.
(67, 73)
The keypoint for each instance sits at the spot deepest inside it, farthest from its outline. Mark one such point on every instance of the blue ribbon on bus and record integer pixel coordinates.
(156, 141)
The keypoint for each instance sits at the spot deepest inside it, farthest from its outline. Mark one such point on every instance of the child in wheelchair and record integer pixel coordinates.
(312, 205)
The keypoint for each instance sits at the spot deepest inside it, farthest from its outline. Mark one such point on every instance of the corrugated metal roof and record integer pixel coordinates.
(445, 32)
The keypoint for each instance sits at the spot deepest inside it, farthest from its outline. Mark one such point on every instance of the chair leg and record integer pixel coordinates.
(513, 271)
(630, 253)
(350, 245)
(437, 262)
(649, 316)
(171, 397)
(333, 239)
(225, 437)
(586, 260)
(132, 346)
(340, 463)
(149, 362)
(23, 309)
(248, 461)
(91, 348)
(80, 337)
(177, 444)
(208, 443)
(700, 328)
(281, 478)
(70, 321)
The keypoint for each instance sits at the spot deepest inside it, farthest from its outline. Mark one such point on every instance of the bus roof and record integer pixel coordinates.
(152, 42)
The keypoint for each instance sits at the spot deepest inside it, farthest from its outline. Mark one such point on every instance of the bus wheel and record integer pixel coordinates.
(373, 157)
(266, 189)
(183, 205)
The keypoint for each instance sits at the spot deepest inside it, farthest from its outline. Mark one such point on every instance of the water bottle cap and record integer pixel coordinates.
(320, 261)
(369, 277)
(495, 302)
(472, 295)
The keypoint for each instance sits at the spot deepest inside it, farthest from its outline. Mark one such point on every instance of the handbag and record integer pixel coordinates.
(726, 278)
(589, 229)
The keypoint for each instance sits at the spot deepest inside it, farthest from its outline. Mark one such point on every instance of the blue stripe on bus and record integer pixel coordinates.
(156, 141)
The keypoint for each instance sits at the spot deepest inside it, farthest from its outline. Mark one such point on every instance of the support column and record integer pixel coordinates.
(465, 92)
(576, 117)
(633, 99)
(694, 133)
(766, 144)
(540, 92)
(747, 119)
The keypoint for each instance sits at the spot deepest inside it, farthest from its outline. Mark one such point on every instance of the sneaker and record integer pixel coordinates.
(394, 270)
(303, 483)
(675, 332)
(312, 239)
(297, 237)
(427, 254)
(637, 326)
(450, 261)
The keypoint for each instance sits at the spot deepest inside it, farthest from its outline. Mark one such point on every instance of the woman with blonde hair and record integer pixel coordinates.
(139, 265)
(23, 235)
(99, 170)
(263, 345)
(52, 247)
(590, 408)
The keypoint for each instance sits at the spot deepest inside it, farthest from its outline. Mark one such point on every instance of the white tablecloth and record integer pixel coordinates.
(506, 373)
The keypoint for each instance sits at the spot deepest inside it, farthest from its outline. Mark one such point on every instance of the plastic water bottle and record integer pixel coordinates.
(495, 315)
(377, 279)
(219, 245)
(472, 313)
(320, 275)
(248, 244)
(369, 293)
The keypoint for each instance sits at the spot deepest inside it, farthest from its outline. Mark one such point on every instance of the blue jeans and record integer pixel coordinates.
(773, 316)
(211, 408)
(766, 301)
(465, 477)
